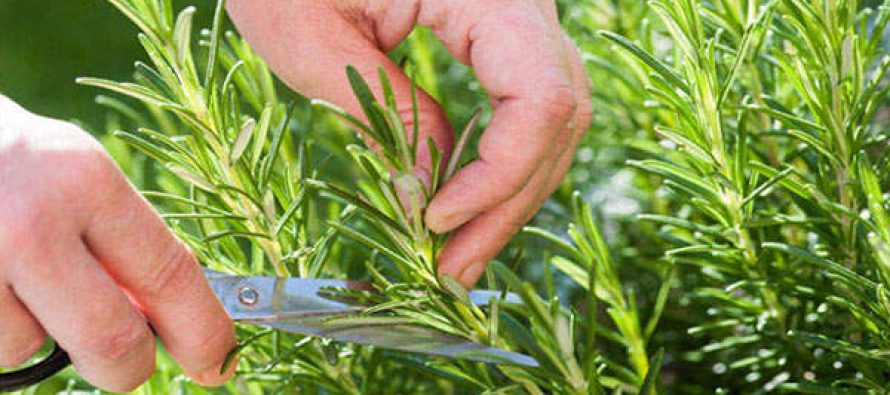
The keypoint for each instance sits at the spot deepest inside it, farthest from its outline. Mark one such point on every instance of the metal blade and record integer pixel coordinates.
(406, 338)
(297, 305)
(273, 298)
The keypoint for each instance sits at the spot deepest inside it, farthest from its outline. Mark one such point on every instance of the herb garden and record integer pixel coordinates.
(724, 227)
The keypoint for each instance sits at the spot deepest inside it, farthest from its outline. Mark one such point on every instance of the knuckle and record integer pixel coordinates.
(83, 170)
(513, 178)
(118, 343)
(173, 275)
(557, 103)
(511, 181)
(99, 167)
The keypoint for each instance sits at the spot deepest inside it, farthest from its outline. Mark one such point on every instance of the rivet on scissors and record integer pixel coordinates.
(248, 296)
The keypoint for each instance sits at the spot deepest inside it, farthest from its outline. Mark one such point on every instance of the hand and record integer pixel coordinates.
(526, 63)
(85, 259)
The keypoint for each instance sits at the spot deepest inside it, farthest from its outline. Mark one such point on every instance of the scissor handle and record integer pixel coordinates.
(21, 379)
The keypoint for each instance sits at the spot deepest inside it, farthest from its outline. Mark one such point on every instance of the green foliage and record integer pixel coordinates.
(767, 115)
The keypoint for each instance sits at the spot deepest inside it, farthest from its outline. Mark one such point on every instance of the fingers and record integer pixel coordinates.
(80, 305)
(467, 252)
(309, 44)
(508, 156)
(20, 334)
(84, 253)
(164, 280)
(518, 55)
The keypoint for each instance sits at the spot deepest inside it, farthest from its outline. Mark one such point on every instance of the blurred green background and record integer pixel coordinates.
(46, 44)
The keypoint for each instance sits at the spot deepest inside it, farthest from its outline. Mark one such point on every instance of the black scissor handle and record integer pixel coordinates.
(21, 379)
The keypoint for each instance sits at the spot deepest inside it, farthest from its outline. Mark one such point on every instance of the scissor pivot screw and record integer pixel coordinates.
(248, 296)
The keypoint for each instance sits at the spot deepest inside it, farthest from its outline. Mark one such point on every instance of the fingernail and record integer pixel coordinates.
(213, 377)
(441, 219)
(433, 221)
(471, 274)
(450, 270)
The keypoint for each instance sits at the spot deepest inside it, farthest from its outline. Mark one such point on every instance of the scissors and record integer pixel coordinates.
(305, 306)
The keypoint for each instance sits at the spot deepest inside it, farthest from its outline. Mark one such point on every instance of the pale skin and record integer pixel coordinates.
(89, 262)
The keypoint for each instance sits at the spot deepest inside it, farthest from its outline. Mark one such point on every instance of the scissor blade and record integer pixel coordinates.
(299, 306)
(273, 298)
(406, 338)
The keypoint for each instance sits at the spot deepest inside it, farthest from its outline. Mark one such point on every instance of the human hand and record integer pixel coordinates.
(85, 259)
(532, 72)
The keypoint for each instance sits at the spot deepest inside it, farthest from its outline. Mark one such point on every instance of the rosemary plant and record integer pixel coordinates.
(775, 161)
